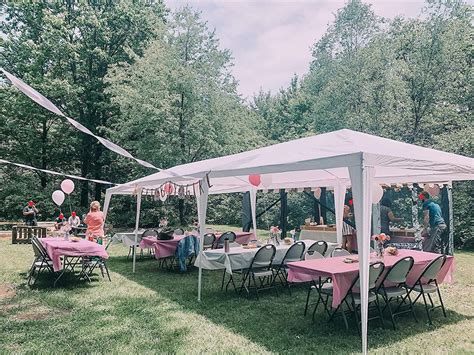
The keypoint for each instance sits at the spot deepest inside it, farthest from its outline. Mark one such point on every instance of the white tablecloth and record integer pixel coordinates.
(237, 258)
(127, 238)
(327, 236)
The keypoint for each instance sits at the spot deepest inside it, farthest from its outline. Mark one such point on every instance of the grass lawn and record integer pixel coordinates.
(156, 311)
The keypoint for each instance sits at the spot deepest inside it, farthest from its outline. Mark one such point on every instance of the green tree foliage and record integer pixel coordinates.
(179, 103)
(406, 79)
(64, 50)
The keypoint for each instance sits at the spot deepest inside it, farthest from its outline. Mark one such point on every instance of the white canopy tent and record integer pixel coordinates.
(339, 159)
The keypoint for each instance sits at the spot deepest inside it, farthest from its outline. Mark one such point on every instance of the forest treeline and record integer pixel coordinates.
(159, 84)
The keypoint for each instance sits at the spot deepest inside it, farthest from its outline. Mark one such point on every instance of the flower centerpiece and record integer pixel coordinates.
(380, 239)
(275, 233)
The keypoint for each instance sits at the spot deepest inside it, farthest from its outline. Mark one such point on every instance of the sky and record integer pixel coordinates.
(271, 39)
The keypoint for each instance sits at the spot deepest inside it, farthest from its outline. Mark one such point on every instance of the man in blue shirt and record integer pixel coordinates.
(434, 223)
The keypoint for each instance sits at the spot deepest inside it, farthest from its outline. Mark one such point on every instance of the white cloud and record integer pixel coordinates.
(271, 40)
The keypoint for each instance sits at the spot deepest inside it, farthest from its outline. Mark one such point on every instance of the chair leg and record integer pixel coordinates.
(412, 308)
(440, 298)
(431, 300)
(426, 307)
(307, 298)
(255, 285)
(380, 312)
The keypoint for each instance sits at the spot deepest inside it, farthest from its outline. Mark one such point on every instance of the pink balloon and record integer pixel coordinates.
(255, 180)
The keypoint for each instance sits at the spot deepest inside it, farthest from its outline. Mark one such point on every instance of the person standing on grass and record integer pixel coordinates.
(95, 221)
(433, 224)
(387, 216)
(29, 214)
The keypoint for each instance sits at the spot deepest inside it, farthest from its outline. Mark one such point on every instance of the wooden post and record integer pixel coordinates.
(283, 212)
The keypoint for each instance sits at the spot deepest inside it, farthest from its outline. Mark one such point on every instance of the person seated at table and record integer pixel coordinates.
(74, 221)
(95, 221)
(387, 216)
(60, 221)
(348, 233)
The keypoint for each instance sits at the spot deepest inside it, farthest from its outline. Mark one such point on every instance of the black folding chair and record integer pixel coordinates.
(375, 271)
(42, 261)
(261, 269)
(397, 276)
(209, 240)
(294, 253)
(219, 243)
(429, 275)
(320, 246)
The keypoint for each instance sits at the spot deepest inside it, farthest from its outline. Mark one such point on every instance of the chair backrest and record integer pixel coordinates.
(209, 239)
(39, 248)
(314, 255)
(150, 233)
(399, 271)
(294, 253)
(227, 235)
(263, 257)
(179, 231)
(339, 252)
(320, 246)
(375, 270)
(431, 270)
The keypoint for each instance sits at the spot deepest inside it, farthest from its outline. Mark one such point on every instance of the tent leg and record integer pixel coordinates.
(137, 222)
(202, 210)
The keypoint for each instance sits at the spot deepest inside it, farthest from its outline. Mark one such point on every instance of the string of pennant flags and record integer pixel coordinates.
(47, 104)
(170, 188)
(24, 166)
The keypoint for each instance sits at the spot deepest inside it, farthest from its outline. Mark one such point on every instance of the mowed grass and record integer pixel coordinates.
(156, 311)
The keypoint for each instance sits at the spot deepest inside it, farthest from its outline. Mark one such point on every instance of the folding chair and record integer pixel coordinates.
(320, 246)
(219, 243)
(294, 253)
(430, 273)
(397, 277)
(41, 262)
(339, 252)
(375, 270)
(261, 269)
(312, 284)
(149, 233)
(209, 240)
(179, 231)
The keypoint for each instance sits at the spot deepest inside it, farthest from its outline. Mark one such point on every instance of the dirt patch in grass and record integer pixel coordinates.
(7, 291)
(38, 313)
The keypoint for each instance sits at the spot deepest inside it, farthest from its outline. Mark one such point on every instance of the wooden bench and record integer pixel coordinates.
(23, 234)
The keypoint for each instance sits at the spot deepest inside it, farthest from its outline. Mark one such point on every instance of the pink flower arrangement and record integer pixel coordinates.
(382, 237)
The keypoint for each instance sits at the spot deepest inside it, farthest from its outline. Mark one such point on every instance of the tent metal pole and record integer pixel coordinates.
(202, 208)
(137, 221)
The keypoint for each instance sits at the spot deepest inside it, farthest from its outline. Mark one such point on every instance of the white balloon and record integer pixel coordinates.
(58, 197)
(377, 193)
(67, 186)
(266, 180)
(317, 192)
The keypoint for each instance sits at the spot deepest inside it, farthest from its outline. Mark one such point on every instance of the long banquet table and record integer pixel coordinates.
(237, 258)
(343, 274)
(57, 247)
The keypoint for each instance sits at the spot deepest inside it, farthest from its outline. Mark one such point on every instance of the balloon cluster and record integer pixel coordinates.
(263, 180)
(67, 186)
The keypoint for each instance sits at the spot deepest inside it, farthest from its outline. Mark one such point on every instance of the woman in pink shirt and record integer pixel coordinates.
(95, 221)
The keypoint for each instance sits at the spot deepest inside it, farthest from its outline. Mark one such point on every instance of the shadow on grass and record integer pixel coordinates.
(276, 323)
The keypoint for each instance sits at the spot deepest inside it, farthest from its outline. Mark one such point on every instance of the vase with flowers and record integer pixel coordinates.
(380, 239)
(275, 234)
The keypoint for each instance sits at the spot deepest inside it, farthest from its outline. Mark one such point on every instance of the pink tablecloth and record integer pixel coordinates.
(163, 248)
(57, 247)
(343, 274)
(241, 237)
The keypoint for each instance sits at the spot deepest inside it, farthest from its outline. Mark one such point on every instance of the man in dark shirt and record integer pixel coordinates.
(29, 213)
(434, 223)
